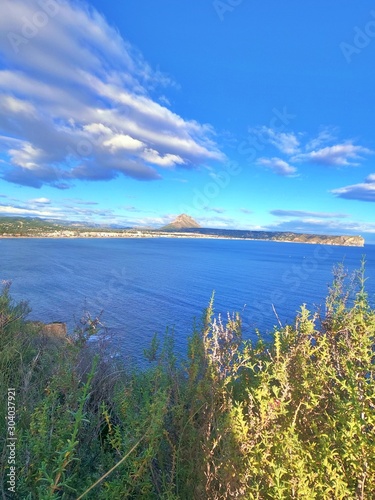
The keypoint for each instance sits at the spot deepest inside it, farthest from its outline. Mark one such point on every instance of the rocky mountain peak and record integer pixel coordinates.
(183, 221)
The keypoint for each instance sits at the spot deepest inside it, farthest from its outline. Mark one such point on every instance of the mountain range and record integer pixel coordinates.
(183, 226)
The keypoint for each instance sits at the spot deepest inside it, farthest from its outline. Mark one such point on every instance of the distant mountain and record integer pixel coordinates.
(22, 225)
(183, 226)
(183, 221)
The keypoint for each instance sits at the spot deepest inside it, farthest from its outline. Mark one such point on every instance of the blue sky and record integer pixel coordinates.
(243, 114)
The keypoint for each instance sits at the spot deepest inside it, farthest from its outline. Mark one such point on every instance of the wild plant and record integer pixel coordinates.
(288, 418)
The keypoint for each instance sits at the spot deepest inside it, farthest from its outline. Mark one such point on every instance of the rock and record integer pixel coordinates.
(55, 329)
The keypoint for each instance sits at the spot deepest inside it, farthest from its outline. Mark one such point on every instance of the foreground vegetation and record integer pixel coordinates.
(289, 419)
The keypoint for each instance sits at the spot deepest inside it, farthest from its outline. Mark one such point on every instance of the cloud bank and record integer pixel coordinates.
(78, 102)
(323, 149)
(364, 191)
(303, 213)
(347, 154)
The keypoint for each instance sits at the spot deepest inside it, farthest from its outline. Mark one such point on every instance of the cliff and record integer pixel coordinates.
(322, 239)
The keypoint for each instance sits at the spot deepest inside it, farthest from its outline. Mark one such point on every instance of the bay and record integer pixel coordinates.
(145, 285)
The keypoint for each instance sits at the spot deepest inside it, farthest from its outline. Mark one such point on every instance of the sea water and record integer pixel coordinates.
(143, 286)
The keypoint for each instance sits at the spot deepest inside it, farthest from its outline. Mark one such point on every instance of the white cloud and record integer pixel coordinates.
(219, 222)
(346, 154)
(11, 210)
(217, 210)
(286, 142)
(304, 213)
(364, 191)
(123, 142)
(27, 156)
(77, 104)
(97, 129)
(325, 136)
(278, 166)
(42, 201)
(45, 208)
(316, 150)
(168, 160)
(10, 104)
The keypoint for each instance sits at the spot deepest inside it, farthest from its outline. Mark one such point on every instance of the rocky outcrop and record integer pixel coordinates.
(348, 241)
(54, 330)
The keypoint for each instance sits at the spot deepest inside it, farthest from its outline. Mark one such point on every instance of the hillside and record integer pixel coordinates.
(27, 225)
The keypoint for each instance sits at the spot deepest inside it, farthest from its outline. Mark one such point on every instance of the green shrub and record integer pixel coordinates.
(292, 418)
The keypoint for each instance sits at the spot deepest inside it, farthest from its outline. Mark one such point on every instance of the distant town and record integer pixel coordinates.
(182, 227)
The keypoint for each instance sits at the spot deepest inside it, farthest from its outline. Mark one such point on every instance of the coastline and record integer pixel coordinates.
(314, 239)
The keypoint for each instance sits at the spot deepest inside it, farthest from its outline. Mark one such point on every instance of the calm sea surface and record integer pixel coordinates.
(145, 285)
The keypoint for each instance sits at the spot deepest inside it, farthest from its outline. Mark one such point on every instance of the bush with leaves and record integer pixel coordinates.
(290, 418)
